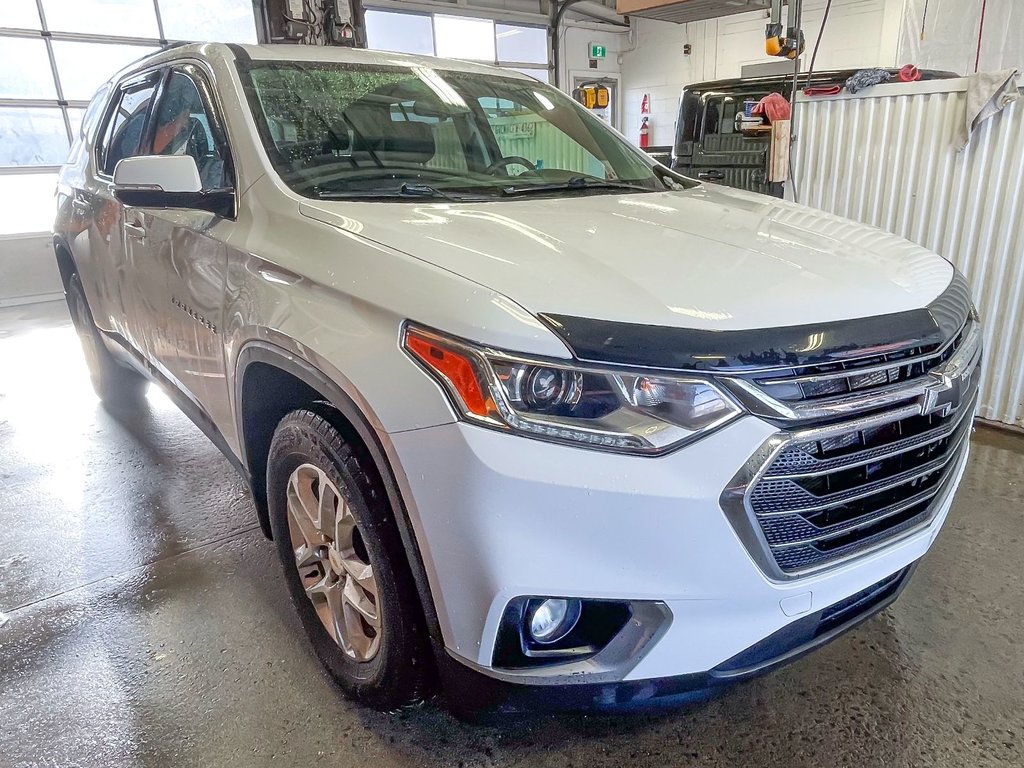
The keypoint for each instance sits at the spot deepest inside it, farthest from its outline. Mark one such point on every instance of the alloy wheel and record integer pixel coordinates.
(333, 563)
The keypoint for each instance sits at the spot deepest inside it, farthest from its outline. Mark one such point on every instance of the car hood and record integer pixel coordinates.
(708, 257)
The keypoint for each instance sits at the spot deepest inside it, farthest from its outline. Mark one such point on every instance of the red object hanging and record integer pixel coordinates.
(823, 90)
(774, 106)
(645, 134)
(909, 73)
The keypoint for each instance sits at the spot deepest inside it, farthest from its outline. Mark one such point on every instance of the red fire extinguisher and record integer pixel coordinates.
(645, 133)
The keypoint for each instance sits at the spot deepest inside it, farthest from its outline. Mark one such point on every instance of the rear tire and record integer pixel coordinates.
(115, 384)
(344, 562)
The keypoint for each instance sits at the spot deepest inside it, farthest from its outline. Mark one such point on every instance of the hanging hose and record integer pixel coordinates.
(792, 123)
(556, 22)
(981, 32)
(821, 32)
(792, 96)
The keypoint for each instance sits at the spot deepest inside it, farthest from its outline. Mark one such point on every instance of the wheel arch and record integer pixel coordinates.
(65, 260)
(288, 382)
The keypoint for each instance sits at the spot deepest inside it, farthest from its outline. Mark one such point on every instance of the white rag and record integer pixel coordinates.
(988, 93)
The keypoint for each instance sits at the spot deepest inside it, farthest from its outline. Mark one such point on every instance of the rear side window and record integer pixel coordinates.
(124, 133)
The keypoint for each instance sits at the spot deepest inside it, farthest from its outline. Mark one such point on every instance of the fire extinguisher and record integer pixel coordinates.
(645, 133)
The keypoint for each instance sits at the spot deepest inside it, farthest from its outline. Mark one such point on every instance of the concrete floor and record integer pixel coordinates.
(146, 624)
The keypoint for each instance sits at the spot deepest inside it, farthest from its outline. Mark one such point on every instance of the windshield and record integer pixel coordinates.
(353, 130)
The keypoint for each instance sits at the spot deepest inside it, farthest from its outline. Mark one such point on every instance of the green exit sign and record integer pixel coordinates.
(598, 51)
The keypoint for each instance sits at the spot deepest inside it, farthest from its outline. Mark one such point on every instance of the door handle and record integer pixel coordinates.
(712, 175)
(134, 230)
(280, 276)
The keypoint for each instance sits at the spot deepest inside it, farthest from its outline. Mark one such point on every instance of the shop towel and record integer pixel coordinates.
(988, 93)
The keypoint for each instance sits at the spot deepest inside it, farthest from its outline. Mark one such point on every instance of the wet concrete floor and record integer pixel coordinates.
(145, 622)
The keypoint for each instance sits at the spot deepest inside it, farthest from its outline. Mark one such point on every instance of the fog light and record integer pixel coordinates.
(549, 621)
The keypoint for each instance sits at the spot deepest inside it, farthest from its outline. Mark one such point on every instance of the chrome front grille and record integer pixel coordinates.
(846, 498)
(817, 382)
(871, 466)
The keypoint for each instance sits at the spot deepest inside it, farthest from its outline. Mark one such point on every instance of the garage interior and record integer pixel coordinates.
(142, 617)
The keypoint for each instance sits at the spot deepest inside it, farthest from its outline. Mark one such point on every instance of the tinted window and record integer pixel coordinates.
(123, 136)
(182, 126)
(338, 128)
(719, 115)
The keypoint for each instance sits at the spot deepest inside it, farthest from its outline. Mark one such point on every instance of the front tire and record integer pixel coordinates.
(344, 562)
(116, 385)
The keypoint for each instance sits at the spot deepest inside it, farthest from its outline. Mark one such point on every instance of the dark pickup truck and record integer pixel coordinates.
(710, 144)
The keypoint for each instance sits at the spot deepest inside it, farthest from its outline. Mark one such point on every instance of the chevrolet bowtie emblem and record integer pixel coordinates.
(944, 396)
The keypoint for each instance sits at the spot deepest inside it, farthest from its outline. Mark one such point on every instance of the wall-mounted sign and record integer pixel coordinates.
(520, 129)
(598, 51)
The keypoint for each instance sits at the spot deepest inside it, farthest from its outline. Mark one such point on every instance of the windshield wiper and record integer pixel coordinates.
(404, 190)
(575, 183)
(424, 190)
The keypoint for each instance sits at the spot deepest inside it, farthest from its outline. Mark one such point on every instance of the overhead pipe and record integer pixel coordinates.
(556, 11)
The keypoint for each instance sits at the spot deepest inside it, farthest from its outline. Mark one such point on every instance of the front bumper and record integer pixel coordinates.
(471, 692)
(498, 517)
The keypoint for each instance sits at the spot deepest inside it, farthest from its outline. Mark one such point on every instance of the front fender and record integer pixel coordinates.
(356, 413)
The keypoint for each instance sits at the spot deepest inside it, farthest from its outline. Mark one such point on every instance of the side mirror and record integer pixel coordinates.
(168, 181)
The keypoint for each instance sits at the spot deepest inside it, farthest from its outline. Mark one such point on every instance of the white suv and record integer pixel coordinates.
(526, 414)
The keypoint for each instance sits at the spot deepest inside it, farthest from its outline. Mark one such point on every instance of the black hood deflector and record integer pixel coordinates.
(653, 346)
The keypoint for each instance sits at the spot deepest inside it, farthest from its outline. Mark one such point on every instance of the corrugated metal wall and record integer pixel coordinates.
(887, 158)
(535, 139)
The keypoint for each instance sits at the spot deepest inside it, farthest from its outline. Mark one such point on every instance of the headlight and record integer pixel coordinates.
(614, 410)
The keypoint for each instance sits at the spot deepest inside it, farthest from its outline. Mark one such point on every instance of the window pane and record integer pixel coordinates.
(461, 38)
(84, 67)
(402, 32)
(25, 73)
(528, 45)
(352, 129)
(28, 203)
(123, 135)
(182, 127)
(32, 136)
(233, 21)
(522, 131)
(539, 74)
(20, 14)
(136, 18)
